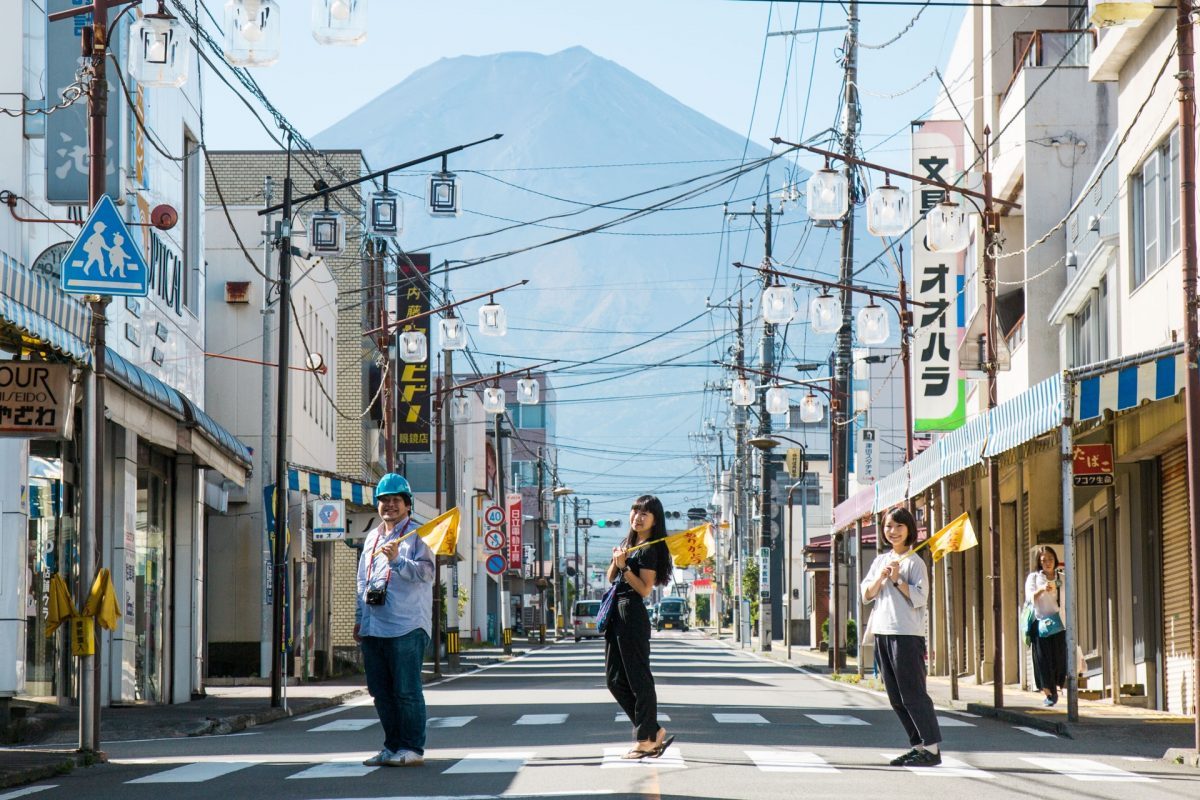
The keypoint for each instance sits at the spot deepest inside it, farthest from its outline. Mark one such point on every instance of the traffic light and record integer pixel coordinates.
(671, 514)
(608, 523)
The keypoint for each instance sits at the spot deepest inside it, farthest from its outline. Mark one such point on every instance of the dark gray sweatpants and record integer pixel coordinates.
(902, 665)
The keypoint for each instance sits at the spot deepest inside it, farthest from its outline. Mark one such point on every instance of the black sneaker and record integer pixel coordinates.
(903, 760)
(924, 758)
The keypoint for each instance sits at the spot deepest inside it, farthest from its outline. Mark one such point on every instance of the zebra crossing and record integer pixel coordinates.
(761, 760)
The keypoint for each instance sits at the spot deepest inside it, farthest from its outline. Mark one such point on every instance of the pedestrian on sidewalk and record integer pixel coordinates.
(635, 572)
(1048, 638)
(391, 623)
(899, 586)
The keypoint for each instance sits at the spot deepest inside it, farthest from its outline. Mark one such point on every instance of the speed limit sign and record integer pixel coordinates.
(494, 516)
(494, 539)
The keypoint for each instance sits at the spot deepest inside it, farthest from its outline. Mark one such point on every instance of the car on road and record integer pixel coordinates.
(583, 617)
(672, 613)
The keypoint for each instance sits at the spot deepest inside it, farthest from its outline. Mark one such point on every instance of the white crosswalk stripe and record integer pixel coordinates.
(836, 719)
(740, 719)
(622, 718)
(1034, 731)
(672, 759)
(447, 722)
(335, 770)
(950, 767)
(344, 725)
(1085, 769)
(490, 762)
(542, 719)
(789, 761)
(194, 773)
(954, 722)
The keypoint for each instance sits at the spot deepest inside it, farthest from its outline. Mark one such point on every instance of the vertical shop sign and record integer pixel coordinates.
(413, 418)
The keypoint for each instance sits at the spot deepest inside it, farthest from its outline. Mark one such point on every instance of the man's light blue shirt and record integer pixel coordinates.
(409, 579)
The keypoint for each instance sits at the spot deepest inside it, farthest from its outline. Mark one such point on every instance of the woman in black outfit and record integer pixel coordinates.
(627, 636)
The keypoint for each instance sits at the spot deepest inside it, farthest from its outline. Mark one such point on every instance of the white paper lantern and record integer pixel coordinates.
(492, 320)
(827, 193)
(777, 400)
(414, 347)
(947, 228)
(825, 314)
(529, 391)
(342, 22)
(453, 333)
(887, 211)
(873, 325)
(743, 392)
(493, 400)
(779, 305)
(811, 409)
(252, 32)
(158, 53)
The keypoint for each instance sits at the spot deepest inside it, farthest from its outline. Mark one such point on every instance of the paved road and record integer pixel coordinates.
(543, 725)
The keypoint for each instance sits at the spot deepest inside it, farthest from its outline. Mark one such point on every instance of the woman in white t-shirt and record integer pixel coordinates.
(1049, 639)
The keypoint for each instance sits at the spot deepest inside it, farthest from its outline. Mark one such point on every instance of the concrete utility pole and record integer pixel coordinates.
(766, 548)
(841, 384)
(264, 444)
(540, 552)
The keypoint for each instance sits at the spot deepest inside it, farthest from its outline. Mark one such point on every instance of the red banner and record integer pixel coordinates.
(513, 505)
(1092, 464)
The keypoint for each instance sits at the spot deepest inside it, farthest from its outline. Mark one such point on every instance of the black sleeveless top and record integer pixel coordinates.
(649, 557)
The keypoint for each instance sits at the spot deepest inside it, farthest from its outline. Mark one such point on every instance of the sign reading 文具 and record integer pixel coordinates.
(35, 399)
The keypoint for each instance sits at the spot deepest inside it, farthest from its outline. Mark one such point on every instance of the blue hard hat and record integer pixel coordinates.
(392, 484)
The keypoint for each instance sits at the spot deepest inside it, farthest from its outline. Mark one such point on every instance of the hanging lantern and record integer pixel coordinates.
(414, 347)
(873, 325)
(326, 232)
(444, 195)
(460, 408)
(339, 21)
(947, 229)
(827, 194)
(453, 333)
(252, 33)
(493, 400)
(1121, 14)
(887, 211)
(529, 391)
(777, 400)
(825, 313)
(779, 305)
(743, 392)
(811, 409)
(387, 212)
(492, 319)
(156, 57)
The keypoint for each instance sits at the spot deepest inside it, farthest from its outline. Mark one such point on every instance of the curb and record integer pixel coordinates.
(1182, 755)
(20, 776)
(1025, 720)
(214, 726)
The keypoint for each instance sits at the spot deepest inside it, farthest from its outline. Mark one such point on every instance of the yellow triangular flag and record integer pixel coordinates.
(61, 608)
(691, 547)
(441, 533)
(954, 538)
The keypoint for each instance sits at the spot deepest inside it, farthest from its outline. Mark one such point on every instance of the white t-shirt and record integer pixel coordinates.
(1045, 605)
(895, 614)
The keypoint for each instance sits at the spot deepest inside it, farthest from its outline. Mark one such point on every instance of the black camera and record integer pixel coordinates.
(377, 595)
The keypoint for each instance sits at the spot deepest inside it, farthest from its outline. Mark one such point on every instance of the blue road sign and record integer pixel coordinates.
(104, 259)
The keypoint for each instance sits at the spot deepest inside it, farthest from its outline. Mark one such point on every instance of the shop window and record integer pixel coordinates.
(153, 540)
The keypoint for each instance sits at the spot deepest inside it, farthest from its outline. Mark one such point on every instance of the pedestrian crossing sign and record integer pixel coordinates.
(104, 259)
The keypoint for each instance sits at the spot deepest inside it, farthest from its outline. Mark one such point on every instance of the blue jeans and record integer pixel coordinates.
(393, 667)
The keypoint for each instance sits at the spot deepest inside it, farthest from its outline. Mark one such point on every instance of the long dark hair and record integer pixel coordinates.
(1037, 558)
(653, 506)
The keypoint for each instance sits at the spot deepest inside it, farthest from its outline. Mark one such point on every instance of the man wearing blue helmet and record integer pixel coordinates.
(391, 623)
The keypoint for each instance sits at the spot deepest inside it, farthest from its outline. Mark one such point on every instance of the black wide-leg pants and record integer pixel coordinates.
(627, 666)
(902, 665)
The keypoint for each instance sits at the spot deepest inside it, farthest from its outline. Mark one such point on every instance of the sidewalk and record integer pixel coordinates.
(1169, 734)
(49, 733)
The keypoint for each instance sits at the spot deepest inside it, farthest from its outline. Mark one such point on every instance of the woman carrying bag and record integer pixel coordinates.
(1047, 634)
(638, 564)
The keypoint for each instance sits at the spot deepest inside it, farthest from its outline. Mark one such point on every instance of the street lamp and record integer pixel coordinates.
(947, 228)
(779, 305)
(825, 313)
(887, 211)
(777, 400)
(155, 56)
(742, 392)
(414, 347)
(528, 391)
(252, 33)
(493, 400)
(387, 212)
(453, 333)
(492, 319)
(339, 22)
(811, 409)
(873, 325)
(326, 232)
(827, 194)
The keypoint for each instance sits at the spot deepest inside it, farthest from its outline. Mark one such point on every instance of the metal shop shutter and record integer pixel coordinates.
(1178, 691)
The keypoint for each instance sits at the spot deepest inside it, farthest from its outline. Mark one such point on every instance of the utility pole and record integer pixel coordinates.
(766, 595)
(264, 444)
(540, 553)
(502, 618)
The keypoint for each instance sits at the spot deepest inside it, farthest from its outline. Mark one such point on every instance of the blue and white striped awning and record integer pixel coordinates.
(1128, 387)
(324, 485)
(925, 470)
(891, 489)
(43, 311)
(963, 448)
(1025, 417)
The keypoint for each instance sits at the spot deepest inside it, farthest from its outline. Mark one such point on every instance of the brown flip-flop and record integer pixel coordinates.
(662, 746)
(636, 754)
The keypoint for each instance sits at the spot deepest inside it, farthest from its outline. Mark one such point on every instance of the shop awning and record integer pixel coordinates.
(891, 489)
(856, 506)
(1128, 382)
(328, 484)
(39, 309)
(1025, 417)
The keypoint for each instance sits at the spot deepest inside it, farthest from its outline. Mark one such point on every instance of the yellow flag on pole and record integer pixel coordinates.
(441, 533)
(102, 601)
(691, 547)
(954, 538)
(61, 608)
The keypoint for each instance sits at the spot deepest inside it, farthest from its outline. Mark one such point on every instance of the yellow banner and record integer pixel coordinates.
(441, 533)
(954, 538)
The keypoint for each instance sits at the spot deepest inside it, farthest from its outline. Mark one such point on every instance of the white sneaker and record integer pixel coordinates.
(404, 758)
(380, 758)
